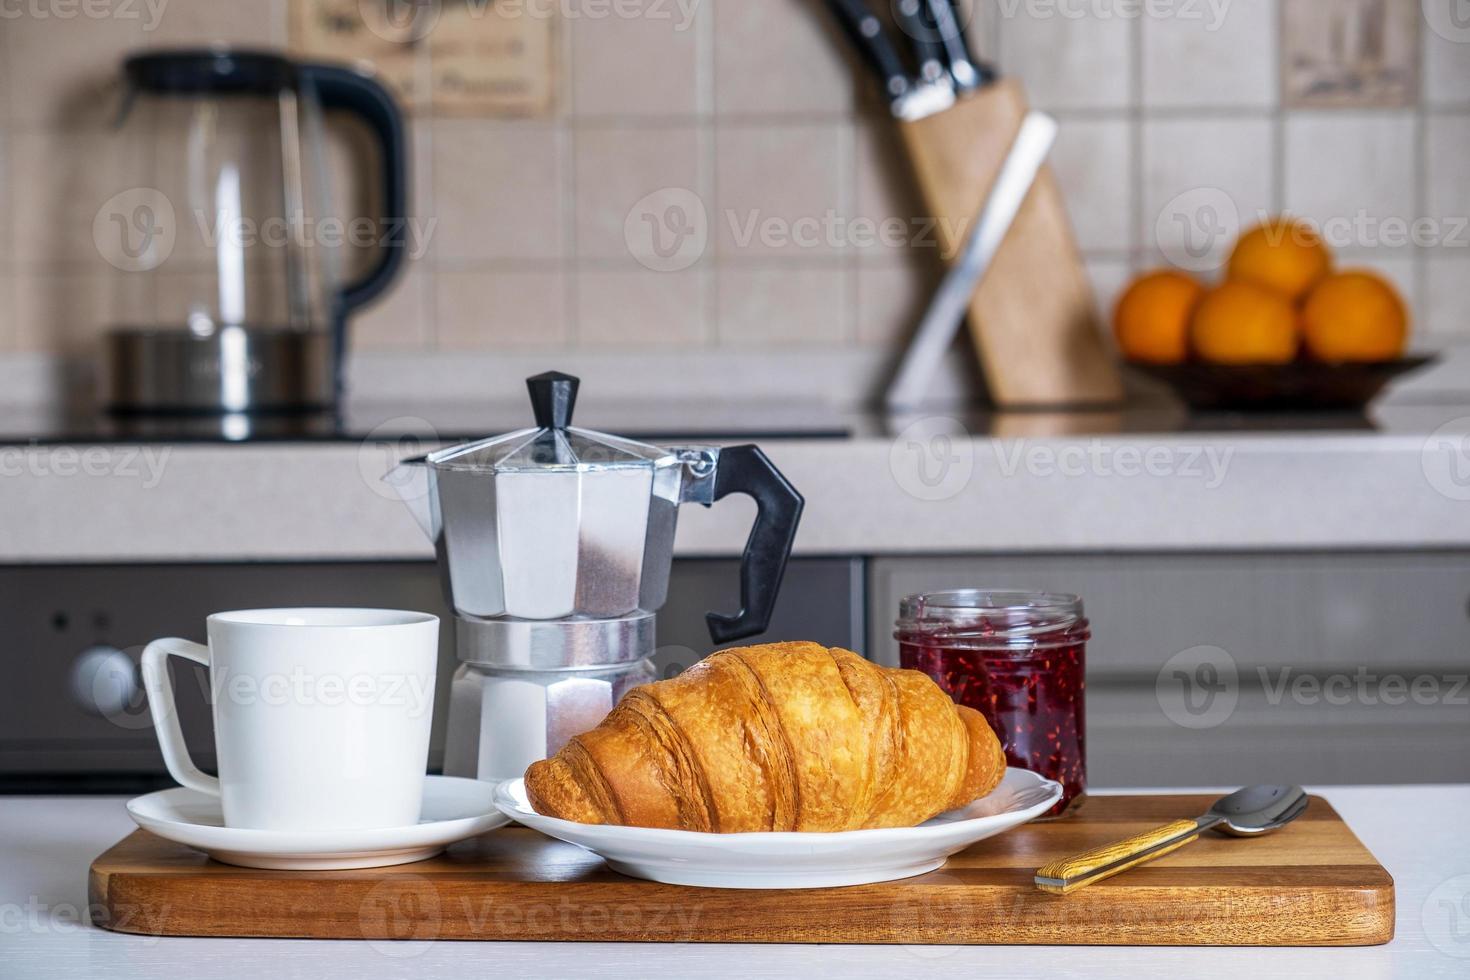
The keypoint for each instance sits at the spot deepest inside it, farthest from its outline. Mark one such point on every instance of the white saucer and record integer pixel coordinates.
(453, 810)
(794, 860)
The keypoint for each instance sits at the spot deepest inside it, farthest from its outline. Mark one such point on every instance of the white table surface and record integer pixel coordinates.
(47, 843)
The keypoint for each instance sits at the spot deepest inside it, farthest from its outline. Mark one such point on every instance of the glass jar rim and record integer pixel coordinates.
(993, 618)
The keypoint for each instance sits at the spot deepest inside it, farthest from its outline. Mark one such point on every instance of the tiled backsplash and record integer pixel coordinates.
(1169, 120)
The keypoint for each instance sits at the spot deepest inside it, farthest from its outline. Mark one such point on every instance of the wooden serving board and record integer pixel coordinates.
(1309, 884)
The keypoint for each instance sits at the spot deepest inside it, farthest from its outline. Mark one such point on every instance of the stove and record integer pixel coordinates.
(427, 421)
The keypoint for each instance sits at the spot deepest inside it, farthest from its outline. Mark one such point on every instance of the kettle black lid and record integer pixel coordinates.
(210, 70)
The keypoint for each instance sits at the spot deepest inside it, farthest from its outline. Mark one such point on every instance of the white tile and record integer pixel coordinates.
(891, 299)
(1093, 161)
(1446, 313)
(781, 305)
(638, 307)
(982, 27)
(68, 71)
(644, 65)
(1446, 33)
(888, 201)
(779, 188)
(1202, 180)
(498, 190)
(63, 313)
(780, 56)
(1109, 277)
(617, 168)
(1070, 55)
(8, 332)
(490, 310)
(400, 318)
(257, 23)
(1205, 54)
(7, 191)
(1349, 172)
(1448, 193)
(57, 188)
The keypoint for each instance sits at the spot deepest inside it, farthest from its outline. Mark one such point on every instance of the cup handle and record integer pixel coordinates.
(165, 714)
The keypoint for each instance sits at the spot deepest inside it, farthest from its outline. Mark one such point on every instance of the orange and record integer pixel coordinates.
(1281, 254)
(1355, 316)
(1152, 318)
(1241, 323)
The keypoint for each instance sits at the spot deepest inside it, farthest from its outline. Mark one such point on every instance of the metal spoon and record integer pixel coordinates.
(1244, 813)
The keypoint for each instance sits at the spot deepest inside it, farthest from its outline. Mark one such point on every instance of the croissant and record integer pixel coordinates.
(784, 736)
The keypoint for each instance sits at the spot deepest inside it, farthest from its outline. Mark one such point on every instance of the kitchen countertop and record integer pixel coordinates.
(1150, 480)
(47, 843)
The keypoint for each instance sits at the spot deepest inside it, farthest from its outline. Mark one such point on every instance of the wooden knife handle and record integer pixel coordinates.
(1069, 874)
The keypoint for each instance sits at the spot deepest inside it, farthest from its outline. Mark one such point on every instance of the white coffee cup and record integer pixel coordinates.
(321, 716)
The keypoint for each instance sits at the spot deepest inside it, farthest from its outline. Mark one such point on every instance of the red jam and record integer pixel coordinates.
(1018, 659)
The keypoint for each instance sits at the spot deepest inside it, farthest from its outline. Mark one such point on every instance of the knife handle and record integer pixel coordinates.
(912, 17)
(1069, 874)
(944, 18)
(865, 32)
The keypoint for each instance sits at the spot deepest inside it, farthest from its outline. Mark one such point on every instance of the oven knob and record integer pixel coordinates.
(104, 681)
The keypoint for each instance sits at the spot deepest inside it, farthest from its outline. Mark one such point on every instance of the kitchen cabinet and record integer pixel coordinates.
(1320, 645)
(1343, 667)
(72, 713)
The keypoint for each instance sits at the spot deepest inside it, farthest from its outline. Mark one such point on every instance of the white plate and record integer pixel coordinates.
(794, 860)
(453, 810)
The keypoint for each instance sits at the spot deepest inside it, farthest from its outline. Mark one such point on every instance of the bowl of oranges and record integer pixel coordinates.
(1285, 330)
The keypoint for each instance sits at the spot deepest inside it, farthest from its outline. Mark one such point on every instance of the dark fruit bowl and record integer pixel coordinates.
(1302, 386)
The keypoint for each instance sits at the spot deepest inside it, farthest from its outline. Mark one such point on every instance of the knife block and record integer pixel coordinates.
(1033, 317)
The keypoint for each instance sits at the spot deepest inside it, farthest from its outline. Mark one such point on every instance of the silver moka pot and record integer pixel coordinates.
(554, 546)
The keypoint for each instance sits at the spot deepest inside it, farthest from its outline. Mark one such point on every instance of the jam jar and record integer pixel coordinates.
(1018, 659)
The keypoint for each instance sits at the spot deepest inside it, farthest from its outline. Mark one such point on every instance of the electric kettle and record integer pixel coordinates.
(228, 256)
